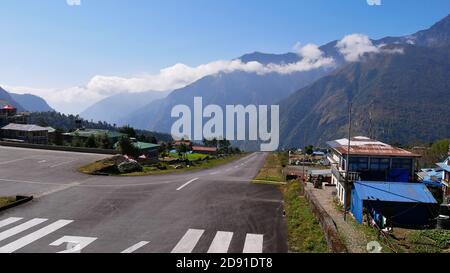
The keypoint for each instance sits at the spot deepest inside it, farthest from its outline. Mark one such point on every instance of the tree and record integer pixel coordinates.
(182, 150)
(104, 141)
(77, 142)
(309, 150)
(224, 146)
(58, 139)
(152, 139)
(440, 148)
(91, 142)
(128, 130)
(126, 147)
(163, 150)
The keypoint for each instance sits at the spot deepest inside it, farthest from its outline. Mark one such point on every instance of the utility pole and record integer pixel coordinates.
(347, 163)
(304, 155)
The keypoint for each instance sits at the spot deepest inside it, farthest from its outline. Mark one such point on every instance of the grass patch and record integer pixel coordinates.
(107, 166)
(263, 182)
(190, 157)
(371, 234)
(272, 169)
(199, 165)
(4, 201)
(304, 232)
(426, 241)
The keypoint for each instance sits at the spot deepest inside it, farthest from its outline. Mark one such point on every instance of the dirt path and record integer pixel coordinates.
(354, 239)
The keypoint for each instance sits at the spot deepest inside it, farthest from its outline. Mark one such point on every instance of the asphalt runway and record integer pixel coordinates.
(214, 210)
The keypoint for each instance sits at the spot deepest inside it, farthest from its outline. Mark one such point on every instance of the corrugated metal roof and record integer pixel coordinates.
(394, 192)
(369, 147)
(204, 149)
(145, 145)
(444, 166)
(24, 127)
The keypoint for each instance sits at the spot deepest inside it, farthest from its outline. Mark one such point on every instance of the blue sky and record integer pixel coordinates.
(49, 44)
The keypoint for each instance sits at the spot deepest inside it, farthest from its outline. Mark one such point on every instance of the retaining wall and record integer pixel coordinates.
(328, 225)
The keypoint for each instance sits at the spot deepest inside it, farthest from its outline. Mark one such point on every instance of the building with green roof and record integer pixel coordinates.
(150, 151)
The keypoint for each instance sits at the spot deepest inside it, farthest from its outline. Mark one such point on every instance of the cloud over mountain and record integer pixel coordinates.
(355, 46)
(76, 99)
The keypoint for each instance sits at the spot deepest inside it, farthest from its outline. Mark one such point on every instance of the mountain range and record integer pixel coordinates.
(24, 102)
(115, 108)
(399, 91)
(397, 97)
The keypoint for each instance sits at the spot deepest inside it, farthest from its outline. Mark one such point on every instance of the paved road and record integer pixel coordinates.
(214, 210)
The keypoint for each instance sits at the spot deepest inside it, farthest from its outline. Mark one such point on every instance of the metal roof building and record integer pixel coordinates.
(361, 145)
(401, 204)
(24, 127)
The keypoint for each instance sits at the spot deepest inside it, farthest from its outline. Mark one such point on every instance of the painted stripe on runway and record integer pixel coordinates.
(63, 163)
(189, 241)
(30, 238)
(9, 221)
(253, 243)
(18, 229)
(187, 183)
(221, 242)
(16, 160)
(135, 247)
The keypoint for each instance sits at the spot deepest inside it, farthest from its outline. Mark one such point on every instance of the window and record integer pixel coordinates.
(402, 163)
(379, 164)
(358, 164)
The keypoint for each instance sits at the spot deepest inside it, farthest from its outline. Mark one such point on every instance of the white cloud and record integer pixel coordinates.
(374, 2)
(354, 46)
(76, 99)
(73, 2)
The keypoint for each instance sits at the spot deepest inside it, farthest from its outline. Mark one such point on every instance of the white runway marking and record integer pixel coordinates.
(253, 243)
(27, 182)
(214, 173)
(30, 238)
(189, 241)
(77, 242)
(15, 160)
(18, 229)
(63, 163)
(187, 183)
(135, 247)
(9, 221)
(221, 242)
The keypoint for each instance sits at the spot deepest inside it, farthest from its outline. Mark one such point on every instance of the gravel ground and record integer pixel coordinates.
(354, 239)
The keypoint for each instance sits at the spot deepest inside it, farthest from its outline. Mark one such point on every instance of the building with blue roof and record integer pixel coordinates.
(445, 166)
(393, 203)
(430, 174)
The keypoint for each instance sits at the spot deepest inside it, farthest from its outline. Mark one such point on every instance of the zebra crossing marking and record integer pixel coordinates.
(9, 221)
(189, 241)
(253, 243)
(221, 242)
(30, 238)
(22, 227)
(135, 247)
